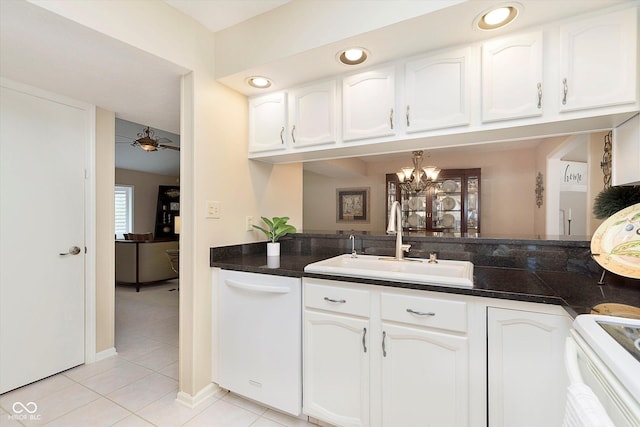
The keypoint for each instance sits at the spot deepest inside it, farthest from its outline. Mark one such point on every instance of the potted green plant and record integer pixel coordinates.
(277, 227)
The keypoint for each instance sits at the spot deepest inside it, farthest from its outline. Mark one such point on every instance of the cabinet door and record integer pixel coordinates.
(312, 114)
(512, 77)
(526, 375)
(336, 368)
(598, 61)
(436, 91)
(267, 122)
(625, 168)
(425, 378)
(368, 104)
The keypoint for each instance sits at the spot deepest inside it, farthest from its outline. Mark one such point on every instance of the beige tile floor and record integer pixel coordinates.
(138, 387)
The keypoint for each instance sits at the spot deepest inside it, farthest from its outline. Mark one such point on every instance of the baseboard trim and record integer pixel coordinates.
(105, 353)
(192, 401)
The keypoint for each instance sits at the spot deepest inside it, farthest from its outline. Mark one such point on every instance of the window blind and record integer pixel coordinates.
(123, 210)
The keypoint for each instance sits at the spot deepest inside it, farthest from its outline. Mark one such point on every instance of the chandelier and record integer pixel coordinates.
(417, 179)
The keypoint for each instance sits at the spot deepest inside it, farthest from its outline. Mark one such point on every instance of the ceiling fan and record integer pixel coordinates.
(148, 142)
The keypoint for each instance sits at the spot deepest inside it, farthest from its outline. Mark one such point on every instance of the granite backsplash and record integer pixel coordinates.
(522, 253)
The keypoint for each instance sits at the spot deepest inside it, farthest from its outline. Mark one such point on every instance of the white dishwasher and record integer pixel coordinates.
(260, 338)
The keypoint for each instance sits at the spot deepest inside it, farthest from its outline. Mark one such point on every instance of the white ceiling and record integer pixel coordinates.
(42, 49)
(217, 15)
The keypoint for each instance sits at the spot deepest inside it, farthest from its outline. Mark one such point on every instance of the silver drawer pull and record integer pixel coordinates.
(338, 301)
(421, 313)
(364, 335)
(384, 344)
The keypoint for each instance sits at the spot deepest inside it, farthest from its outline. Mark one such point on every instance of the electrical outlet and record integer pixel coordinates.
(249, 223)
(213, 209)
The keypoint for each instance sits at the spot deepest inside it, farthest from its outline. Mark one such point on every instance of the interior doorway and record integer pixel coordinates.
(146, 244)
(567, 205)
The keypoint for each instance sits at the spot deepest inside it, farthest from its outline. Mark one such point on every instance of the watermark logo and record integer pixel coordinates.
(24, 411)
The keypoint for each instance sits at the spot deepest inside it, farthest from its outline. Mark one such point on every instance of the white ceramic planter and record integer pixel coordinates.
(273, 249)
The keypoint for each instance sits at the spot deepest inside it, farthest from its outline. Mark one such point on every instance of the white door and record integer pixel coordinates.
(42, 168)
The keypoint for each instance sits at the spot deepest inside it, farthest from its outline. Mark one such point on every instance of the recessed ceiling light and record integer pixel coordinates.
(352, 56)
(259, 82)
(497, 17)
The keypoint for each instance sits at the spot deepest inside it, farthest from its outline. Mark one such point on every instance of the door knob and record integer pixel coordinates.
(73, 250)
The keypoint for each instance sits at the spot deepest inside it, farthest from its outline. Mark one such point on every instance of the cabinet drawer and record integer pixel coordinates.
(338, 299)
(431, 312)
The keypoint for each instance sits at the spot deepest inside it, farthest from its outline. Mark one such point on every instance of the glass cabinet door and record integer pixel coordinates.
(451, 206)
(447, 205)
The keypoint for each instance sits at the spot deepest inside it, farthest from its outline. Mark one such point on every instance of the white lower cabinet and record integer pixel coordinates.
(376, 356)
(526, 375)
(425, 378)
(337, 368)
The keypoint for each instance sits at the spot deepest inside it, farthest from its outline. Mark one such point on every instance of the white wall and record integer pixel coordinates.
(105, 218)
(214, 163)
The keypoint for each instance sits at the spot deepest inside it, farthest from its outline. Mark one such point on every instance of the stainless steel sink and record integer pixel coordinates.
(410, 270)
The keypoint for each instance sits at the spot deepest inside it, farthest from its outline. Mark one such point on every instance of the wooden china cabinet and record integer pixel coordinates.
(451, 206)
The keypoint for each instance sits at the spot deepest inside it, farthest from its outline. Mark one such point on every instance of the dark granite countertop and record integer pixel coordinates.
(577, 292)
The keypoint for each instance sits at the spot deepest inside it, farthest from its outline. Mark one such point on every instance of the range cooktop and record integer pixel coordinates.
(628, 336)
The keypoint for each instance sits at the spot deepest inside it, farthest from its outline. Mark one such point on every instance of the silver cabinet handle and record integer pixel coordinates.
(566, 89)
(407, 114)
(421, 313)
(391, 118)
(73, 250)
(539, 95)
(293, 138)
(337, 301)
(282, 135)
(384, 345)
(364, 334)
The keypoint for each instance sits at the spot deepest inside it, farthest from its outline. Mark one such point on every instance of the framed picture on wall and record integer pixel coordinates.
(352, 205)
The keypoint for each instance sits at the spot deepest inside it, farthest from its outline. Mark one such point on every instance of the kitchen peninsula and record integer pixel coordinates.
(525, 269)
(490, 353)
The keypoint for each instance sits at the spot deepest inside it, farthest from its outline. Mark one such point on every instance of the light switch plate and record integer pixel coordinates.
(213, 209)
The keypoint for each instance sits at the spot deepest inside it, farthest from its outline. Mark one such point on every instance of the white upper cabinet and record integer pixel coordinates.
(599, 62)
(368, 104)
(312, 114)
(625, 168)
(267, 122)
(436, 91)
(512, 77)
